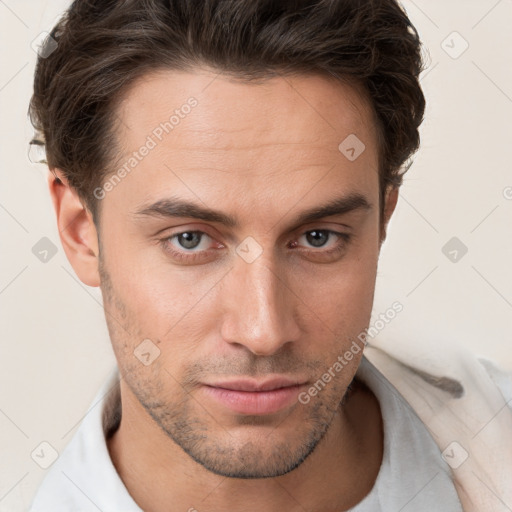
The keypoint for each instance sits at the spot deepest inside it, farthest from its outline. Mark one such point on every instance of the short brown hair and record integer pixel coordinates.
(103, 46)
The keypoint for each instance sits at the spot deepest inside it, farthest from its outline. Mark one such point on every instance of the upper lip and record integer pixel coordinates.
(258, 385)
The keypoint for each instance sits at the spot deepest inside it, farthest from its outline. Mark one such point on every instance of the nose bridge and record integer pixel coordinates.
(260, 315)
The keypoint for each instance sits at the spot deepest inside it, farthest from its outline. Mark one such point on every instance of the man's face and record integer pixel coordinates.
(270, 297)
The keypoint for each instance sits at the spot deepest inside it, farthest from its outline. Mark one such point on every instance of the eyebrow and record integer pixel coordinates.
(176, 207)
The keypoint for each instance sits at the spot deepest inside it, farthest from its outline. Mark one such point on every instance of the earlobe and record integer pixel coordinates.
(391, 200)
(77, 231)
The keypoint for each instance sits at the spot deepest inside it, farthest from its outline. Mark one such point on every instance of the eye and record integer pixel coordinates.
(189, 239)
(328, 244)
(188, 245)
(319, 237)
(191, 246)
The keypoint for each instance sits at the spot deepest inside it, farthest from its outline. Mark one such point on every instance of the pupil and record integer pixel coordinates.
(317, 238)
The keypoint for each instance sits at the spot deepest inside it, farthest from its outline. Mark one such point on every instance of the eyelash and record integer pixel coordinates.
(345, 239)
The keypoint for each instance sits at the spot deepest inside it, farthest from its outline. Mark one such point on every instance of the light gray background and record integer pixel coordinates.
(55, 350)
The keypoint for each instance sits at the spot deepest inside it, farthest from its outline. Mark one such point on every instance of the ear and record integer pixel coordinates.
(391, 198)
(76, 229)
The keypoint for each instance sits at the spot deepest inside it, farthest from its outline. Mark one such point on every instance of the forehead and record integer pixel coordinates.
(310, 107)
(282, 133)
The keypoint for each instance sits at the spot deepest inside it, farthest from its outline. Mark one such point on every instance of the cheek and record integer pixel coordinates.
(163, 302)
(340, 310)
(151, 292)
(341, 294)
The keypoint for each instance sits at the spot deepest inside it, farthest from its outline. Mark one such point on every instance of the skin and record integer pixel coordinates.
(261, 153)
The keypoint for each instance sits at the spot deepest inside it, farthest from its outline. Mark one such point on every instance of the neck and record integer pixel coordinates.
(338, 474)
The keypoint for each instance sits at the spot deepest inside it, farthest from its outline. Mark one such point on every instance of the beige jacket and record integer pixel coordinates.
(466, 404)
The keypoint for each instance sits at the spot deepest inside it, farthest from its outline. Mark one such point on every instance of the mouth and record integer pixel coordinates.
(252, 397)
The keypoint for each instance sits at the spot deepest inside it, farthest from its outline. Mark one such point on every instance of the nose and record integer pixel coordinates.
(260, 307)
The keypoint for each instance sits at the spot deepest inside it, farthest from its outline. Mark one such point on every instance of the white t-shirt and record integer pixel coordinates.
(413, 476)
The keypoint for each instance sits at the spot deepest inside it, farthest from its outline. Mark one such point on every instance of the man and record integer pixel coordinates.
(225, 172)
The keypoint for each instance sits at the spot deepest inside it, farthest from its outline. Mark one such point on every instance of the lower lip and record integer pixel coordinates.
(255, 402)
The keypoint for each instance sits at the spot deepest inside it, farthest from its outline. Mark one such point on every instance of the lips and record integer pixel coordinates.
(253, 397)
(254, 385)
